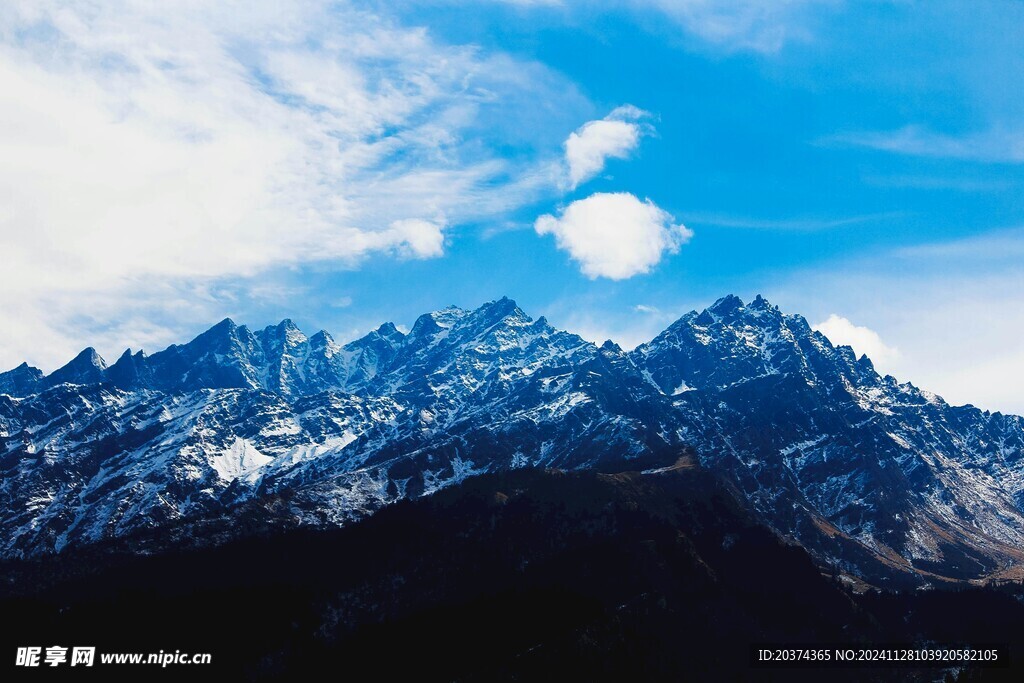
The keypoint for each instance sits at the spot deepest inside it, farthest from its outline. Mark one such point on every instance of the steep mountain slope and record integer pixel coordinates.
(815, 437)
(878, 478)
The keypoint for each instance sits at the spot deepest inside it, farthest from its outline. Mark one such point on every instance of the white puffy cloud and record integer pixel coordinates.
(614, 235)
(864, 341)
(151, 151)
(613, 137)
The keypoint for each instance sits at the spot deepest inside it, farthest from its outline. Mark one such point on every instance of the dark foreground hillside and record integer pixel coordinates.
(522, 576)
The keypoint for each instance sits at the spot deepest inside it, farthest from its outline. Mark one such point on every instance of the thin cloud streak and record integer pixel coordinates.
(788, 224)
(997, 145)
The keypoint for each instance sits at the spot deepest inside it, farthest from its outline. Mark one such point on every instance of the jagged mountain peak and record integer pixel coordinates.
(286, 333)
(456, 350)
(807, 431)
(21, 381)
(456, 320)
(727, 311)
(224, 332)
(448, 316)
(125, 360)
(322, 339)
(225, 326)
(500, 311)
(388, 333)
(388, 330)
(130, 371)
(731, 342)
(90, 356)
(23, 368)
(284, 327)
(278, 357)
(127, 354)
(430, 324)
(731, 307)
(85, 368)
(500, 308)
(727, 304)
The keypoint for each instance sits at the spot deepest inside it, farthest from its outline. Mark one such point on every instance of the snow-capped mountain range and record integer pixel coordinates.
(876, 478)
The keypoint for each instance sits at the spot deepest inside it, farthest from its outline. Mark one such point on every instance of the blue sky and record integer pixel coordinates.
(609, 165)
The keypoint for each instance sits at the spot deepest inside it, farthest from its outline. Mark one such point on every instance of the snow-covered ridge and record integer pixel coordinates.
(811, 434)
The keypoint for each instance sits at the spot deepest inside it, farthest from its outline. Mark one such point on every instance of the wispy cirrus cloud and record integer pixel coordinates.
(756, 26)
(813, 224)
(743, 25)
(994, 145)
(961, 182)
(147, 149)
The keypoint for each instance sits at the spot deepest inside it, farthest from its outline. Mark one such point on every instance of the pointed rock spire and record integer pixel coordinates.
(86, 368)
(727, 304)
